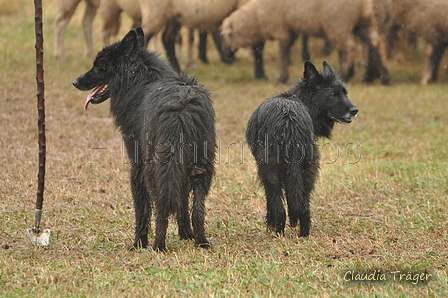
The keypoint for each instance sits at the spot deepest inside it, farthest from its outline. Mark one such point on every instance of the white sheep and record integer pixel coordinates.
(110, 11)
(338, 21)
(66, 9)
(205, 15)
(429, 20)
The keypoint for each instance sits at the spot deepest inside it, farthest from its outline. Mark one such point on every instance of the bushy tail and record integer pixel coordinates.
(171, 191)
(171, 170)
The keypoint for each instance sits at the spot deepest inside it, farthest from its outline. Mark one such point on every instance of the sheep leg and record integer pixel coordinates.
(285, 54)
(371, 71)
(393, 45)
(169, 39)
(426, 77)
(202, 47)
(327, 48)
(87, 20)
(434, 55)
(153, 43)
(154, 46)
(305, 50)
(345, 71)
(190, 62)
(294, 35)
(66, 10)
(375, 67)
(110, 12)
(257, 50)
(178, 49)
(435, 59)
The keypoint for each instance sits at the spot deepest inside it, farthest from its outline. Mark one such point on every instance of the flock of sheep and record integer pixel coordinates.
(342, 24)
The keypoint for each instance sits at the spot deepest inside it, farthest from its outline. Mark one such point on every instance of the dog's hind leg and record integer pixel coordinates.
(298, 198)
(276, 214)
(201, 186)
(309, 175)
(293, 193)
(161, 226)
(183, 219)
(142, 206)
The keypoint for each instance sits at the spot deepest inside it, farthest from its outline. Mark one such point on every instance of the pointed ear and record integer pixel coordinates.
(328, 71)
(140, 37)
(129, 43)
(310, 74)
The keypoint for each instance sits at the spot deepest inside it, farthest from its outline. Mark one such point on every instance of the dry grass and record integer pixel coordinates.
(380, 203)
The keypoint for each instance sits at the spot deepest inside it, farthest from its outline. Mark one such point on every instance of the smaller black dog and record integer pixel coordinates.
(282, 134)
(168, 126)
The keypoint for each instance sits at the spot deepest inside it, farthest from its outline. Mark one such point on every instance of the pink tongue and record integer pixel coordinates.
(92, 94)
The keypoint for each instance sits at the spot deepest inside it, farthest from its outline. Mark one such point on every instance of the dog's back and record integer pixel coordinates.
(280, 132)
(178, 114)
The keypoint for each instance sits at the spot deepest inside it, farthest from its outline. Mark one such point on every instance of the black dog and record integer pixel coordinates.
(282, 135)
(167, 121)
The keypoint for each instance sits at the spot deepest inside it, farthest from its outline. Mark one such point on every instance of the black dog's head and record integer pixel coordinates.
(327, 98)
(332, 93)
(106, 65)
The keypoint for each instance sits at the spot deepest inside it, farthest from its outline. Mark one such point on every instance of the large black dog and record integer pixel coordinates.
(168, 125)
(282, 135)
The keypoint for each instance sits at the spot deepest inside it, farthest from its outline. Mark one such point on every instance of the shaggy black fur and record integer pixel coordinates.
(167, 121)
(282, 135)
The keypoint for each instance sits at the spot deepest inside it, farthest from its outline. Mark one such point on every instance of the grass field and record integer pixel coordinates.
(379, 209)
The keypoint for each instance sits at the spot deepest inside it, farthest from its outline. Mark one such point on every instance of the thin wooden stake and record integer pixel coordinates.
(37, 235)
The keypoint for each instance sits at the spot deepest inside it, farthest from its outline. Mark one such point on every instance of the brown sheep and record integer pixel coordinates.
(338, 21)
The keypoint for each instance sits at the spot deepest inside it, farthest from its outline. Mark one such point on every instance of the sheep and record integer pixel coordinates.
(338, 21)
(110, 11)
(427, 19)
(202, 48)
(205, 15)
(66, 8)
